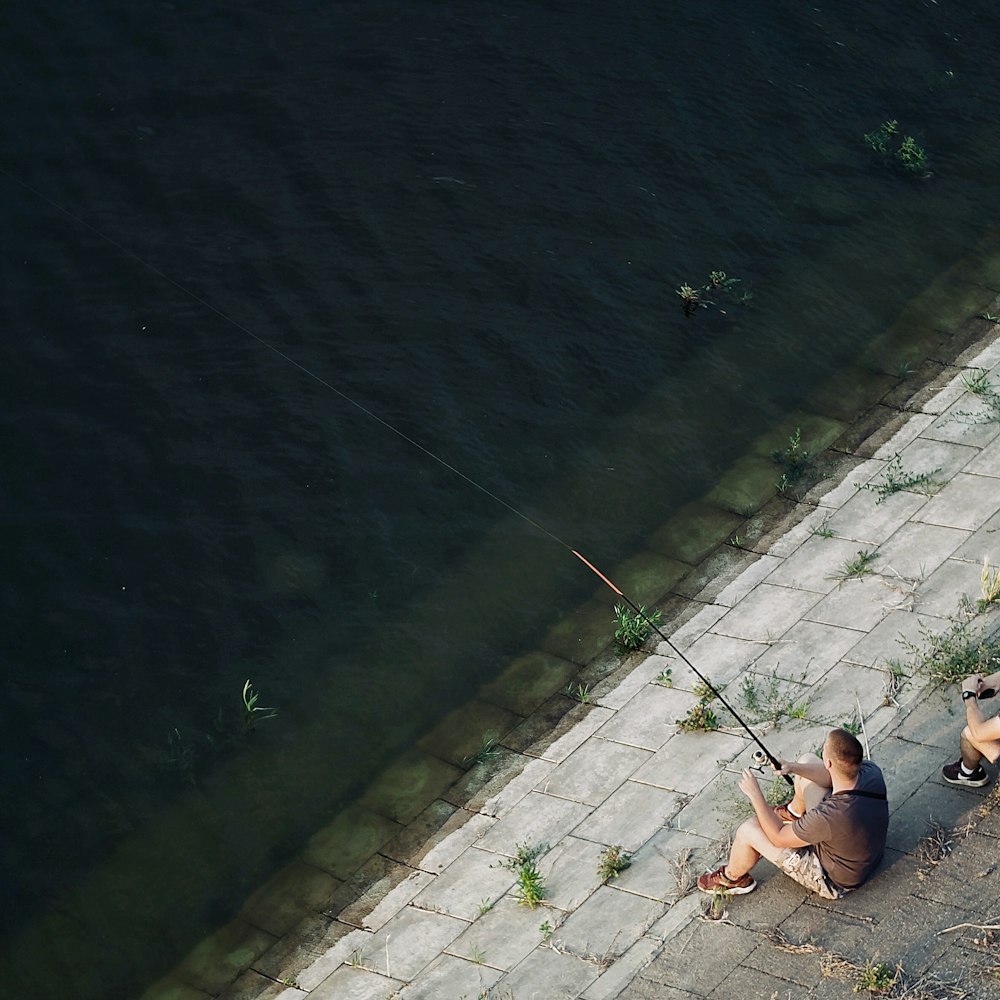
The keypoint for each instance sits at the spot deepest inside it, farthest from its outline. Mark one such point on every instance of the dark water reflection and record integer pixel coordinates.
(469, 220)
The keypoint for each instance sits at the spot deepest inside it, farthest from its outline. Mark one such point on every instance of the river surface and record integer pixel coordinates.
(272, 273)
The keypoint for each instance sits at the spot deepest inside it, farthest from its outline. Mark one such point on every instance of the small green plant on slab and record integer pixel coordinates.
(715, 907)
(768, 699)
(546, 930)
(665, 678)
(877, 978)
(824, 530)
(488, 751)
(613, 861)
(856, 568)
(580, 693)
(977, 381)
(530, 886)
(700, 718)
(895, 480)
(252, 712)
(634, 627)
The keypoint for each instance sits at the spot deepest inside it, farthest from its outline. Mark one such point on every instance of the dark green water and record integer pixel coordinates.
(469, 220)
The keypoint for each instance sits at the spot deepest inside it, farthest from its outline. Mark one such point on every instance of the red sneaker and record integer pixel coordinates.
(718, 881)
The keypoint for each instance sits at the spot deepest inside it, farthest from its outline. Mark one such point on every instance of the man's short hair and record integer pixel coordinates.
(846, 751)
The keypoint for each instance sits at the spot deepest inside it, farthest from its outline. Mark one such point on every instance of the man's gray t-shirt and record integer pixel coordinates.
(848, 830)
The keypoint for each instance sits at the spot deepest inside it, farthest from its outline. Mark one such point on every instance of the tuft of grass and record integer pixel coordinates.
(895, 480)
(958, 652)
(990, 586)
(700, 718)
(530, 886)
(794, 459)
(613, 861)
(634, 627)
(824, 530)
(768, 699)
(856, 568)
(877, 978)
(580, 693)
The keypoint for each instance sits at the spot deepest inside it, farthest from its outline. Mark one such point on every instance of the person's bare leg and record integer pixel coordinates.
(807, 794)
(973, 753)
(749, 845)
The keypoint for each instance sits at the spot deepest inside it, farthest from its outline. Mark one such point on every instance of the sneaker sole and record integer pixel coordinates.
(740, 890)
(968, 782)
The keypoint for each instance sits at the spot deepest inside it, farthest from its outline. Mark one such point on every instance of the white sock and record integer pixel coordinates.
(966, 770)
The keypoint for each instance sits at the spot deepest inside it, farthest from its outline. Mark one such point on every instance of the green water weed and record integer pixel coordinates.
(489, 750)
(252, 712)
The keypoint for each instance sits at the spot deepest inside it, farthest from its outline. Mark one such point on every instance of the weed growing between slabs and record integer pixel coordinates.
(856, 568)
(531, 888)
(634, 627)
(614, 860)
(895, 480)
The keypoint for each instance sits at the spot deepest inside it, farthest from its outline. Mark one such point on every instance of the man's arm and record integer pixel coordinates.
(780, 834)
(813, 770)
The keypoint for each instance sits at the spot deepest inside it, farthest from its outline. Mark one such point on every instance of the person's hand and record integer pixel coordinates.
(973, 684)
(750, 787)
(784, 768)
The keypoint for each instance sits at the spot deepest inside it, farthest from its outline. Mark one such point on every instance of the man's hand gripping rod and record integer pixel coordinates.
(775, 763)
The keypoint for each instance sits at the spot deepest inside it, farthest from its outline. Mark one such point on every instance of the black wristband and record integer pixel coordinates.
(966, 695)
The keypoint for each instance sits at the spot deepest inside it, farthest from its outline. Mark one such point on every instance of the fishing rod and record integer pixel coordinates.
(395, 430)
(640, 612)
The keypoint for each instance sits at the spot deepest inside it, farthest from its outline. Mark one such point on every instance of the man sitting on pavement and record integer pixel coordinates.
(829, 838)
(980, 738)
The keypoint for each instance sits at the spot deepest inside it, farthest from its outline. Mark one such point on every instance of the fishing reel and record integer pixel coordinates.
(760, 760)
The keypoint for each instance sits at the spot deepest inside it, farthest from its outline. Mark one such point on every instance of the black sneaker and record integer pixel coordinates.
(954, 775)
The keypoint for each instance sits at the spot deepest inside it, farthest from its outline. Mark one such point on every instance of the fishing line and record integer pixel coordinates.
(416, 444)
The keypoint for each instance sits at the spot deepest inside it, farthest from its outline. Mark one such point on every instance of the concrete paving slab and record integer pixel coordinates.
(701, 956)
(966, 502)
(594, 771)
(350, 947)
(635, 681)
(988, 461)
(665, 867)
(817, 922)
(691, 631)
(760, 569)
(883, 644)
(940, 593)
(807, 651)
(789, 541)
(221, 957)
(630, 815)
(410, 941)
(650, 718)
(569, 872)
(859, 604)
(694, 531)
(447, 850)
(448, 978)
(834, 698)
(815, 564)
(967, 421)
(348, 983)
(940, 803)
(253, 986)
(767, 613)
(389, 903)
(583, 728)
(473, 881)
(564, 977)
(963, 881)
(936, 455)
(689, 762)
(607, 924)
(536, 819)
(720, 658)
(865, 522)
(502, 937)
(911, 429)
(916, 549)
(716, 812)
(513, 791)
(936, 721)
(749, 983)
(984, 541)
(907, 766)
(611, 982)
